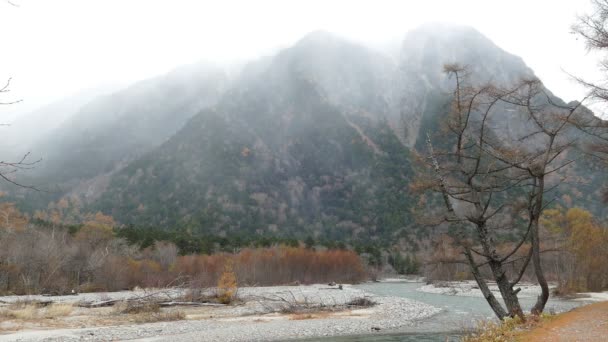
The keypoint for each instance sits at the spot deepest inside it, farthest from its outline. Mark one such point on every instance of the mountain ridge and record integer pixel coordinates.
(314, 141)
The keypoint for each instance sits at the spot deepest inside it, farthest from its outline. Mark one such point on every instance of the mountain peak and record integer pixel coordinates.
(432, 45)
(448, 35)
(318, 37)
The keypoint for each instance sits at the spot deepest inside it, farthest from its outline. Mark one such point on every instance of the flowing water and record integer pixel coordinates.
(458, 313)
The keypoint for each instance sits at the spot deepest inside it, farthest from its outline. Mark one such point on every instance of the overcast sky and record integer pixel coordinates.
(53, 48)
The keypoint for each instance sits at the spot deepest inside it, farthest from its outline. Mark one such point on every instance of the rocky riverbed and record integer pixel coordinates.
(263, 314)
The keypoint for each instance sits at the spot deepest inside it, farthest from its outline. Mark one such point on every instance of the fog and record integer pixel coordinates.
(53, 49)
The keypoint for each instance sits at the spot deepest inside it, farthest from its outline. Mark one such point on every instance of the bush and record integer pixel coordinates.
(361, 301)
(226, 285)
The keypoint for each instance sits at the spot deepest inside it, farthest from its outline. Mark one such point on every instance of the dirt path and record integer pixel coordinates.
(587, 323)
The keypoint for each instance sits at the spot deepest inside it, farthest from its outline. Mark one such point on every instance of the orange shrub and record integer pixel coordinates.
(276, 265)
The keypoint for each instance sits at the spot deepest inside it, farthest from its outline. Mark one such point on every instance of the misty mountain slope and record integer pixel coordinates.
(349, 74)
(113, 129)
(29, 128)
(425, 88)
(305, 142)
(276, 155)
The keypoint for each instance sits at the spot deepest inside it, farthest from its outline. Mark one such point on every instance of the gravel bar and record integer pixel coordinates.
(257, 319)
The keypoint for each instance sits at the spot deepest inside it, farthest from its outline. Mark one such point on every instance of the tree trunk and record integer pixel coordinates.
(483, 286)
(542, 299)
(504, 285)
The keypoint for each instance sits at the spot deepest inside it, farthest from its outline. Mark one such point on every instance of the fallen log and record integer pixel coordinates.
(101, 304)
(167, 304)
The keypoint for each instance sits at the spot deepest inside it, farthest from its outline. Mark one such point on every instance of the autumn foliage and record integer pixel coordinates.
(227, 284)
(51, 258)
(275, 265)
(581, 249)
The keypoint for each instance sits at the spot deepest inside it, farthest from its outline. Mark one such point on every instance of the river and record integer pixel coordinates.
(458, 314)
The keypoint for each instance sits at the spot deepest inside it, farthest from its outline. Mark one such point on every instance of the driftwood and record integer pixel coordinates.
(99, 304)
(58, 294)
(167, 304)
(106, 303)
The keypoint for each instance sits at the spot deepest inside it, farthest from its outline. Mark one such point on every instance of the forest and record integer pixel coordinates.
(93, 253)
(54, 258)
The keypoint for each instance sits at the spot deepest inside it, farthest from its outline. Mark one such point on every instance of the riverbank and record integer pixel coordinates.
(263, 313)
(469, 288)
(587, 323)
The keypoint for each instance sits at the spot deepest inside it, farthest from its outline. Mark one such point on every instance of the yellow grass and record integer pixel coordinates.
(149, 317)
(58, 310)
(33, 311)
(23, 312)
(505, 331)
(309, 315)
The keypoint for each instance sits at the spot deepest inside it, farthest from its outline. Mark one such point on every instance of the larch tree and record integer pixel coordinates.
(494, 180)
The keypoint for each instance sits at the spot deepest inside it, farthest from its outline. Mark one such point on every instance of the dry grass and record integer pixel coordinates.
(58, 310)
(505, 331)
(309, 315)
(147, 312)
(126, 307)
(23, 310)
(299, 317)
(150, 317)
(28, 311)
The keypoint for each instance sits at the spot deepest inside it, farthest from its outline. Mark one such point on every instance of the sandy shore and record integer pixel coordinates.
(261, 316)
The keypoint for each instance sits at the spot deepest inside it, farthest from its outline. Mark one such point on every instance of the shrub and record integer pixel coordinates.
(361, 301)
(227, 285)
(492, 331)
(507, 330)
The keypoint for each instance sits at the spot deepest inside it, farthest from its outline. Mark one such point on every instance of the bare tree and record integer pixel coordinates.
(492, 180)
(7, 168)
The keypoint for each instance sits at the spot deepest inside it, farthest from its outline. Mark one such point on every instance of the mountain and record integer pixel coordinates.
(314, 141)
(111, 130)
(29, 128)
(283, 152)
(311, 142)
